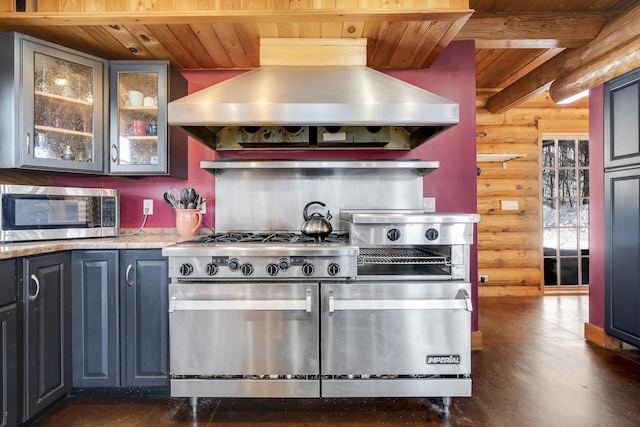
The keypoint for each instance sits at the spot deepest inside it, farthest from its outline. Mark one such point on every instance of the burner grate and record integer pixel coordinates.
(275, 237)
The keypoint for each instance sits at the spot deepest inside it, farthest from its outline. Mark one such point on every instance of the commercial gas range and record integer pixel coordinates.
(381, 308)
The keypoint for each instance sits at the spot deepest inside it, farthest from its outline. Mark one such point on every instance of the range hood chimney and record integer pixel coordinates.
(300, 106)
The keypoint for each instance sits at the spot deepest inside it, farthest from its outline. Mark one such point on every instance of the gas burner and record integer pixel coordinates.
(274, 237)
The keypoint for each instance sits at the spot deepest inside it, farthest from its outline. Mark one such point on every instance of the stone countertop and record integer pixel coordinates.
(147, 239)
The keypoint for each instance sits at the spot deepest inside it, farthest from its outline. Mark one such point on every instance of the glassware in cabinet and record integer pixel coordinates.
(58, 105)
(63, 110)
(141, 141)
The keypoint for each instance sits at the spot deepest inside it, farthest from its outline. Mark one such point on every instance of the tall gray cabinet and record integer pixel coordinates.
(622, 207)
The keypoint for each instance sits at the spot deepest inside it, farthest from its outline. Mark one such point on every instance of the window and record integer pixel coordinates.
(565, 204)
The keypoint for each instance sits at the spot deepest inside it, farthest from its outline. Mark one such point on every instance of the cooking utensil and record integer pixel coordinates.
(184, 196)
(200, 202)
(175, 196)
(188, 195)
(191, 195)
(316, 225)
(170, 199)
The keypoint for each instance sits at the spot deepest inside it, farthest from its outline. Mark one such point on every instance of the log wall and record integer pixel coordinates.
(510, 241)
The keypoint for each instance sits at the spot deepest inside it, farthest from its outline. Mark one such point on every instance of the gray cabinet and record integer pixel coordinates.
(621, 124)
(96, 345)
(145, 318)
(54, 101)
(120, 312)
(622, 252)
(622, 207)
(46, 299)
(9, 386)
(142, 143)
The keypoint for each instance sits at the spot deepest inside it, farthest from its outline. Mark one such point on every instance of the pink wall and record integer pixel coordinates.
(596, 206)
(453, 184)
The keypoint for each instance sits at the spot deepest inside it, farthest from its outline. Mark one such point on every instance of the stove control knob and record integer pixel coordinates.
(211, 269)
(272, 269)
(431, 234)
(246, 269)
(284, 264)
(393, 234)
(333, 269)
(234, 264)
(186, 269)
(308, 269)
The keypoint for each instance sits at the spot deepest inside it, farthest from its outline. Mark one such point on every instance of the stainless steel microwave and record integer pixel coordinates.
(47, 213)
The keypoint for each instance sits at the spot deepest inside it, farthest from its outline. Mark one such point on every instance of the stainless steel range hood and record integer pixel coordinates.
(285, 107)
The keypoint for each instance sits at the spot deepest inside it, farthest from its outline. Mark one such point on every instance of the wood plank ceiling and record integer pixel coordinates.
(513, 37)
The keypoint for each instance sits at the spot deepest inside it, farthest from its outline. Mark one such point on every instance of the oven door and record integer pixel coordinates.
(396, 339)
(244, 339)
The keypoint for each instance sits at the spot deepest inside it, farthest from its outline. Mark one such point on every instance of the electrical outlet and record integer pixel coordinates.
(429, 204)
(203, 208)
(147, 207)
(484, 278)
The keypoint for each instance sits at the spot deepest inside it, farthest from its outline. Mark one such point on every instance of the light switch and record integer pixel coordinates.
(509, 205)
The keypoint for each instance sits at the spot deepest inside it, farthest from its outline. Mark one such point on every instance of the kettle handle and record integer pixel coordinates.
(304, 213)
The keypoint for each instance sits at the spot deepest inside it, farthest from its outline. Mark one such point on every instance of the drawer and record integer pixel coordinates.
(8, 281)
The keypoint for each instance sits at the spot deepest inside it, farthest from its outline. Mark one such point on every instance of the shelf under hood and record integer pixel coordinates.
(356, 98)
(419, 167)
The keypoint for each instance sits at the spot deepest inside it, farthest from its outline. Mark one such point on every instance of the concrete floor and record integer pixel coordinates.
(535, 369)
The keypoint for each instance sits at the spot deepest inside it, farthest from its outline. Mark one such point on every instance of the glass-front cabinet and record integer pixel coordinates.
(141, 141)
(54, 101)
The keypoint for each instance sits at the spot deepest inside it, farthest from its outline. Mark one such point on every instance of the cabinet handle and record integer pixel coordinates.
(114, 153)
(37, 282)
(126, 276)
(28, 144)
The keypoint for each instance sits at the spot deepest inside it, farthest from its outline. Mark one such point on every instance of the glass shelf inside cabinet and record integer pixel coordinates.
(137, 119)
(63, 109)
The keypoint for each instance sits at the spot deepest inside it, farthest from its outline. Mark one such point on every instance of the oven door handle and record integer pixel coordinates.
(402, 304)
(243, 305)
(463, 294)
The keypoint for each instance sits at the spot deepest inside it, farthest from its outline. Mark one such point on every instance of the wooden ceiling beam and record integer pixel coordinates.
(620, 32)
(20, 19)
(616, 62)
(539, 30)
(534, 63)
(614, 52)
(527, 86)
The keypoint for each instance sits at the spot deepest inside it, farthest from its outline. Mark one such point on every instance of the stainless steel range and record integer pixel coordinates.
(381, 307)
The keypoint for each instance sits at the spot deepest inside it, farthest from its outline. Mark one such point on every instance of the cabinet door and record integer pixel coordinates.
(9, 365)
(622, 252)
(622, 121)
(96, 350)
(63, 102)
(140, 135)
(8, 343)
(47, 330)
(145, 322)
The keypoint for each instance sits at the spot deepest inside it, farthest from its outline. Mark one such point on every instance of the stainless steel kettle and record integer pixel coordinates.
(316, 225)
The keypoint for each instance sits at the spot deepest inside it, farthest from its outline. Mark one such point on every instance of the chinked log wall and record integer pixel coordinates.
(510, 241)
